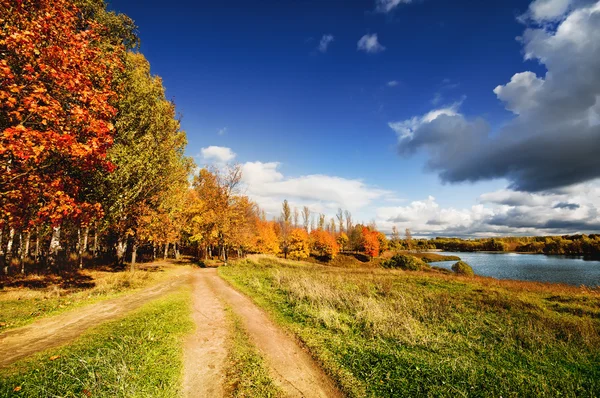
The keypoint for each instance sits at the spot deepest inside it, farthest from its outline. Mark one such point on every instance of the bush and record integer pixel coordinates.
(405, 262)
(462, 268)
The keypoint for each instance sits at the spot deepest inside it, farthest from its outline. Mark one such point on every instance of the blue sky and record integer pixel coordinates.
(252, 77)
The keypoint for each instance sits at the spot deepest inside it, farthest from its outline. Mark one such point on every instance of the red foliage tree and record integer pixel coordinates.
(56, 89)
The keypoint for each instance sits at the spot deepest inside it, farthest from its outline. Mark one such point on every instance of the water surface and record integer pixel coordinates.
(531, 267)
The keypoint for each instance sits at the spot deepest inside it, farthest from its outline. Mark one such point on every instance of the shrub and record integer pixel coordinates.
(405, 262)
(462, 268)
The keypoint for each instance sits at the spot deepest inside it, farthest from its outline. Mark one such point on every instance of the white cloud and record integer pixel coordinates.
(388, 5)
(369, 44)
(222, 131)
(217, 154)
(548, 10)
(392, 83)
(504, 212)
(326, 40)
(269, 187)
(406, 128)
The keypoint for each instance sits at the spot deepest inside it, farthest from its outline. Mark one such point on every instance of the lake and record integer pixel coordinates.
(531, 267)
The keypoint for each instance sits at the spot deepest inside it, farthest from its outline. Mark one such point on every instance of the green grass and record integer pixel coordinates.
(138, 356)
(394, 333)
(20, 306)
(246, 373)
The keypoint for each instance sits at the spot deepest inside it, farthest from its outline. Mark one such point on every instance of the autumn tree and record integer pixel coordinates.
(342, 240)
(323, 244)
(408, 239)
(57, 97)
(265, 240)
(286, 218)
(305, 217)
(370, 242)
(340, 219)
(299, 244)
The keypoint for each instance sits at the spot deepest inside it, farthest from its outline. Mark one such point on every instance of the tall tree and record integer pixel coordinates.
(306, 217)
(57, 102)
(340, 219)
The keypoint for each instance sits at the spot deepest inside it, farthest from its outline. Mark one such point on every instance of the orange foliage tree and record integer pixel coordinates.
(56, 107)
(370, 242)
(266, 240)
(323, 244)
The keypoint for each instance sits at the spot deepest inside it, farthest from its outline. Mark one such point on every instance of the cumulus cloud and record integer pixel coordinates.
(548, 10)
(217, 154)
(392, 83)
(326, 40)
(553, 140)
(388, 5)
(266, 185)
(504, 212)
(369, 44)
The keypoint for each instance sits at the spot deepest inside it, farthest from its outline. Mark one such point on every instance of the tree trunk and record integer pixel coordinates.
(166, 251)
(86, 234)
(37, 245)
(177, 250)
(95, 250)
(25, 252)
(153, 251)
(121, 249)
(133, 255)
(9, 247)
(54, 245)
(80, 248)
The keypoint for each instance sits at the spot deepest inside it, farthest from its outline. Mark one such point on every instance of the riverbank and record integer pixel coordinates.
(394, 333)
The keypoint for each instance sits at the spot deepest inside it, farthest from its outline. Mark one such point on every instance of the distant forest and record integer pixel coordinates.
(566, 244)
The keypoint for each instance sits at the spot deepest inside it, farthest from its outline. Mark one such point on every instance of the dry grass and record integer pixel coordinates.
(24, 299)
(396, 333)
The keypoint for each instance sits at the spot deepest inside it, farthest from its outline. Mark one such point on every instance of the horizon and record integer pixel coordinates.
(464, 120)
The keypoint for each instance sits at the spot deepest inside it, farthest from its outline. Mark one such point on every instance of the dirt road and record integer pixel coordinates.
(205, 350)
(291, 367)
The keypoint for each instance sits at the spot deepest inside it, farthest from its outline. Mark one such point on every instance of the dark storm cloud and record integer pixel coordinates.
(554, 139)
(566, 205)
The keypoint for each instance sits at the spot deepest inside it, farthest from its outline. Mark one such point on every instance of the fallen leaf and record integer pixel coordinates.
(2, 324)
(87, 393)
(17, 389)
(54, 357)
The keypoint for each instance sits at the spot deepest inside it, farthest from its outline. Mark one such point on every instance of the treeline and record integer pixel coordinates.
(91, 151)
(92, 157)
(566, 244)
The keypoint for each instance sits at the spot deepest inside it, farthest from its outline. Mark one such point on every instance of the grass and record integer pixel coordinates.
(138, 356)
(246, 373)
(394, 333)
(38, 296)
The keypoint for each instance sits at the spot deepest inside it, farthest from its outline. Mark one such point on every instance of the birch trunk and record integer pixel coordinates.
(9, 247)
(54, 245)
(133, 256)
(121, 249)
(166, 251)
(80, 248)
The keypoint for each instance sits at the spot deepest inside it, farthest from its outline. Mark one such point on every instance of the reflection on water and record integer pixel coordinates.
(532, 267)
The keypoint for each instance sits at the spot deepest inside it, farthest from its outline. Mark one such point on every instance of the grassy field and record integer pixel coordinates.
(23, 300)
(395, 333)
(246, 373)
(137, 356)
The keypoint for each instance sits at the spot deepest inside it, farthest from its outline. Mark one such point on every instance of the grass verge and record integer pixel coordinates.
(246, 373)
(394, 333)
(22, 305)
(137, 356)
